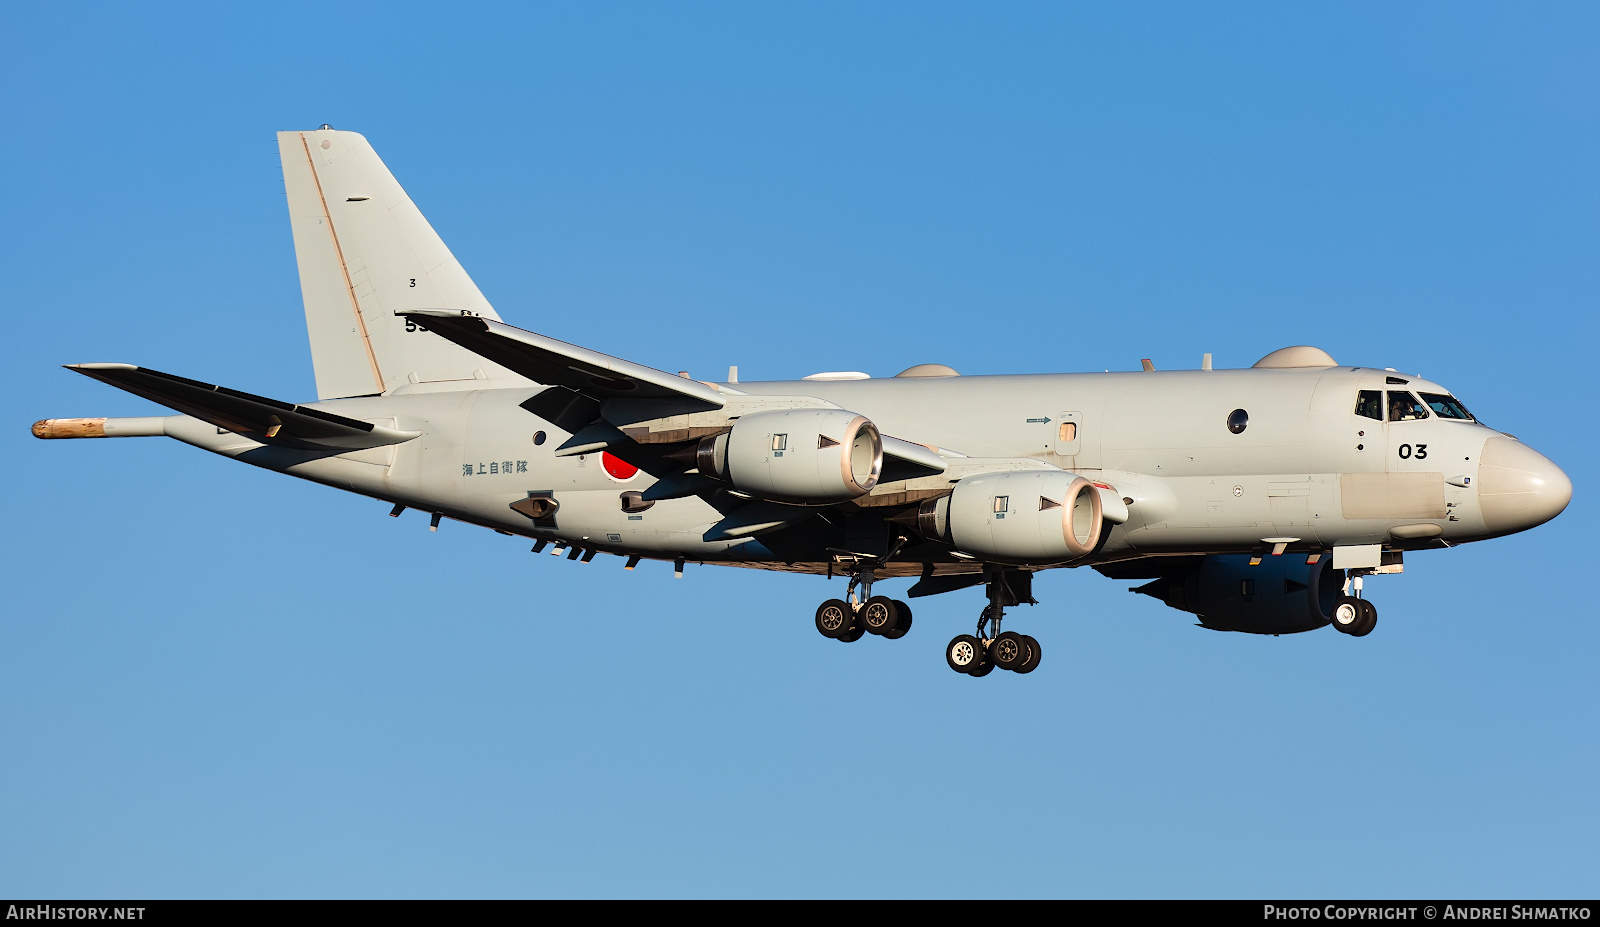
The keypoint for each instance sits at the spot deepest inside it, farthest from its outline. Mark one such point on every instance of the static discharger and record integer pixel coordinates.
(398, 508)
(433, 523)
(677, 568)
(541, 545)
(633, 561)
(574, 553)
(588, 555)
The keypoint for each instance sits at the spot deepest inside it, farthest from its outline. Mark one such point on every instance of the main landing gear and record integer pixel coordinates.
(1352, 614)
(978, 654)
(860, 613)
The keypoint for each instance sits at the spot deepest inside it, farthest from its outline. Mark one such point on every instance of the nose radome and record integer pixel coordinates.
(1518, 487)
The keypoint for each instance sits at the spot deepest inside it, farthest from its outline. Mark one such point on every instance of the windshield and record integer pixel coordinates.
(1404, 407)
(1446, 406)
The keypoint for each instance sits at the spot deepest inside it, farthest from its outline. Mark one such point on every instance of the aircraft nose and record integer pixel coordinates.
(1519, 487)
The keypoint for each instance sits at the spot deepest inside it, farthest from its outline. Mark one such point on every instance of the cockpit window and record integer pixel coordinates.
(1369, 402)
(1446, 406)
(1404, 407)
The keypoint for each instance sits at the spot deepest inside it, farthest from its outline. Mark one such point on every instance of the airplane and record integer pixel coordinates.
(1256, 499)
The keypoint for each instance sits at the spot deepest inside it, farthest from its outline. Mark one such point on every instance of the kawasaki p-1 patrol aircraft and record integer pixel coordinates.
(1257, 499)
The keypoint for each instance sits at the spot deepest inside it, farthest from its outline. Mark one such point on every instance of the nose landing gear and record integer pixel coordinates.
(1352, 614)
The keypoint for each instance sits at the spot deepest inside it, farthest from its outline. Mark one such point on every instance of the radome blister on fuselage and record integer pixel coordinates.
(1192, 477)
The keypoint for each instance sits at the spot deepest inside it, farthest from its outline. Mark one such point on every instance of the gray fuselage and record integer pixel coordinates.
(1306, 470)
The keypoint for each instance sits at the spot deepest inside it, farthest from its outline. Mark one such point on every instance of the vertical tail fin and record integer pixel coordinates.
(365, 251)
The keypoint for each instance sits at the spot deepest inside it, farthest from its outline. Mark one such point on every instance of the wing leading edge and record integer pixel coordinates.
(557, 363)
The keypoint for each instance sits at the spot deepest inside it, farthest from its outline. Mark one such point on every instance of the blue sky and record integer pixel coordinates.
(221, 682)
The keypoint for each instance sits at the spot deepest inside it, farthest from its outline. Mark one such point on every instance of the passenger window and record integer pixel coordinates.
(1369, 403)
(1068, 432)
(1446, 406)
(1404, 407)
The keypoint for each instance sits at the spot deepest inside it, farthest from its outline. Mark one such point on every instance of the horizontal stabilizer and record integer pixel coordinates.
(556, 363)
(266, 420)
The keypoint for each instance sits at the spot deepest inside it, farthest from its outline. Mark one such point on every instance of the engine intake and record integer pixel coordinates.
(1032, 516)
(813, 456)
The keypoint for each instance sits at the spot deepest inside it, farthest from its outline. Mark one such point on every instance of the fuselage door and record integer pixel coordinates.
(1068, 434)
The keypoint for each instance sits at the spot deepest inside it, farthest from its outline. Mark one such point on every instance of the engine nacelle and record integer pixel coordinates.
(1030, 516)
(797, 455)
(1280, 595)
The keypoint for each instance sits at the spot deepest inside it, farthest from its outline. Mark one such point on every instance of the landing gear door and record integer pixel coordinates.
(1068, 434)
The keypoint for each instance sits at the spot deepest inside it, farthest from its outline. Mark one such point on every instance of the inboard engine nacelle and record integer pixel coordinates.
(796, 455)
(1030, 516)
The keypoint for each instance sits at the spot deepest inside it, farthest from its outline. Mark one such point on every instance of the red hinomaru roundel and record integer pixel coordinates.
(618, 468)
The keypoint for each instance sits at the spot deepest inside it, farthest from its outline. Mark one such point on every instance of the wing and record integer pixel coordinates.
(556, 363)
(593, 378)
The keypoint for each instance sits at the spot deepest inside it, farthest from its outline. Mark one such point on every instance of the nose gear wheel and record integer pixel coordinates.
(1355, 617)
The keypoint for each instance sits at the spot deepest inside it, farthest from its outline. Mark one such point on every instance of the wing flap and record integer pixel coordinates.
(257, 417)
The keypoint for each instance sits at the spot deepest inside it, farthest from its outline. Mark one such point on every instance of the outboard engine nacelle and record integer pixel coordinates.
(798, 455)
(1030, 516)
(1280, 595)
